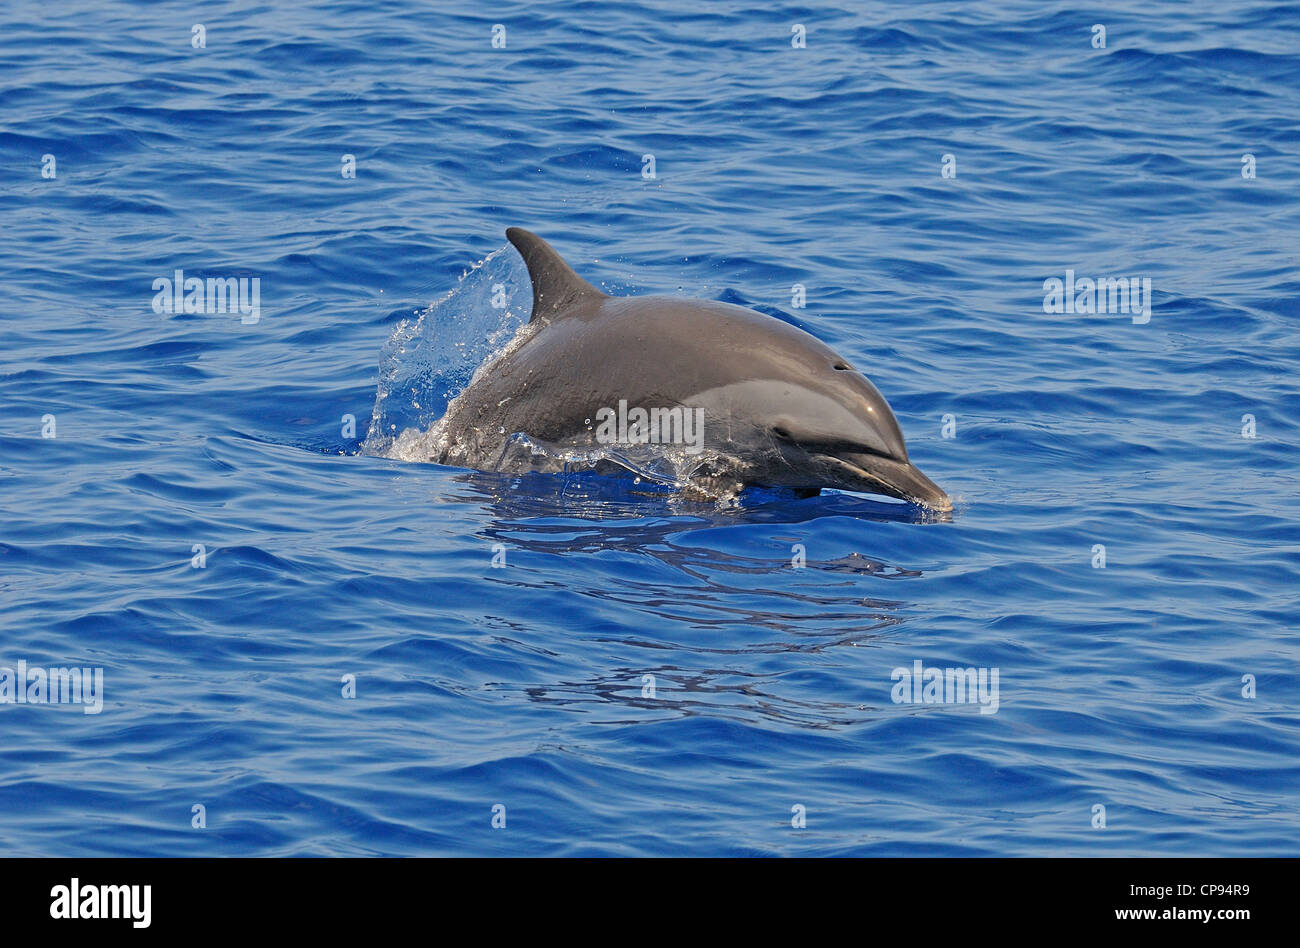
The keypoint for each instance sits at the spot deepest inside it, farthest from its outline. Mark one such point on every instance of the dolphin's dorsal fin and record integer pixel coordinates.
(555, 285)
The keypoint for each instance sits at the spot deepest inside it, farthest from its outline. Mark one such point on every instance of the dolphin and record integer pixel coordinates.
(775, 406)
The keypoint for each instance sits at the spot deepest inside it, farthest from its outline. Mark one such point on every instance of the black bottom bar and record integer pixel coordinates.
(943, 897)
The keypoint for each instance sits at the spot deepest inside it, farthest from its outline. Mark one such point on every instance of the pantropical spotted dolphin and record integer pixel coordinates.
(747, 398)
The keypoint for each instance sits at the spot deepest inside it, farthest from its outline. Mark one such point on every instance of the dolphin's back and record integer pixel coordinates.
(652, 351)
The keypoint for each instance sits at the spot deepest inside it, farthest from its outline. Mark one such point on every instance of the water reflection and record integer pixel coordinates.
(723, 693)
(711, 621)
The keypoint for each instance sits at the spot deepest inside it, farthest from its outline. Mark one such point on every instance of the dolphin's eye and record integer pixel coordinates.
(782, 434)
(842, 367)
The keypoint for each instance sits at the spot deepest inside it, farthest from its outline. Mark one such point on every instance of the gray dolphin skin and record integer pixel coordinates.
(777, 407)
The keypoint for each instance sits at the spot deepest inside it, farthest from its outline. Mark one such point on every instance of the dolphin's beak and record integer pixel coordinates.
(900, 479)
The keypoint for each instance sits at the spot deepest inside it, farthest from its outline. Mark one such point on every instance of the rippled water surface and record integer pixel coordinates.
(770, 629)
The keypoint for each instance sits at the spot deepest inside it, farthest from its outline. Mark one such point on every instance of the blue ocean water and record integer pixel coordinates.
(185, 505)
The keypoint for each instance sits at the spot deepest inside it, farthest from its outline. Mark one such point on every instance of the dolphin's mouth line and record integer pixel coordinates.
(898, 479)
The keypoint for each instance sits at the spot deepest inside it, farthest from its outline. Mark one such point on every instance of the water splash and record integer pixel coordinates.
(433, 357)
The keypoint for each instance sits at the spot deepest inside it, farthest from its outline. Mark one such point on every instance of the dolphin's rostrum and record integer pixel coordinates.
(777, 407)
